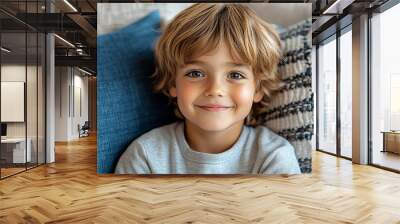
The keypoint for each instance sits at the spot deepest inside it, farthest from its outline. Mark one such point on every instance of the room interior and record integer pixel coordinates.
(48, 171)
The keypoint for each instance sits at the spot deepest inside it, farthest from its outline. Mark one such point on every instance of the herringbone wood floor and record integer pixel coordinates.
(70, 191)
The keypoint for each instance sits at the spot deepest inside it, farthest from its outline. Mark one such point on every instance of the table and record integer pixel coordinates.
(13, 150)
(391, 141)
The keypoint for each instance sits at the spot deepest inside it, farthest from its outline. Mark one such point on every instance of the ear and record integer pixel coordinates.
(172, 91)
(258, 96)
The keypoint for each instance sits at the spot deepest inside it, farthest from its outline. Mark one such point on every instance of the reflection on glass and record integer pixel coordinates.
(41, 97)
(31, 101)
(346, 94)
(314, 90)
(13, 86)
(394, 101)
(385, 86)
(22, 91)
(327, 96)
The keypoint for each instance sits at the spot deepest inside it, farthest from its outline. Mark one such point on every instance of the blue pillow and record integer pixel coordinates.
(126, 104)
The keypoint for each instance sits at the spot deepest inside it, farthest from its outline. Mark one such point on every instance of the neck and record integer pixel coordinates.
(211, 141)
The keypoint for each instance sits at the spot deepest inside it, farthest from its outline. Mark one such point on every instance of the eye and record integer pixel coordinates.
(236, 76)
(195, 74)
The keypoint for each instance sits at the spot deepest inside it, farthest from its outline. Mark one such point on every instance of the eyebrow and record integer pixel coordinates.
(232, 64)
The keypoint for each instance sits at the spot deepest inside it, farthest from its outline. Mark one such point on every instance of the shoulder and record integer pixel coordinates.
(265, 136)
(276, 153)
(155, 139)
(154, 136)
(138, 156)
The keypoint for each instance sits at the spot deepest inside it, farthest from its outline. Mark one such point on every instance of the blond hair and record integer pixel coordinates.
(200, 28)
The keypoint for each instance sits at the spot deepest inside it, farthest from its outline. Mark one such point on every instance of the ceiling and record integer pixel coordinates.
(78, 27)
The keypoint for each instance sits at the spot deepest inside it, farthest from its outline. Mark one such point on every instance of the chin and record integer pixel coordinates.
(214, 126)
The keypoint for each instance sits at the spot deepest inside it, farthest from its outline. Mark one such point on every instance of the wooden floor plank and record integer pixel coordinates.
(70, 191)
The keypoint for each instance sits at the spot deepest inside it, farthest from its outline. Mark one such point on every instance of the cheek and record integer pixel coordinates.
(244, 96)
(186, 93)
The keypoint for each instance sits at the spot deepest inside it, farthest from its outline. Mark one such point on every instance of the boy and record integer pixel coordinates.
(218, 64)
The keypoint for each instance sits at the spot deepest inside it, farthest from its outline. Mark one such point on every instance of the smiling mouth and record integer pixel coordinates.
(214, 108)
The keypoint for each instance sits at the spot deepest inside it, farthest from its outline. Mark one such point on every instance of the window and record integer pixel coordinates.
(385, 87)
(346, 93)
(327, 96)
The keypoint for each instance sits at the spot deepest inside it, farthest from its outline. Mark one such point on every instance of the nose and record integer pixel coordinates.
(215, 87)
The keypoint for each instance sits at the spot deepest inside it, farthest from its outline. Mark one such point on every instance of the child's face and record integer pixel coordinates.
(215, 92)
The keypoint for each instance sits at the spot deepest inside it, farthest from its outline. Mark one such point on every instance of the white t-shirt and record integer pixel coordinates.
(164, 150)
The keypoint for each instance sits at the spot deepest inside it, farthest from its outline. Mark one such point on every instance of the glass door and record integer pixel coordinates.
(385, 89)
(327, 96)
(346, 93)
(13, 105)
(22, 87)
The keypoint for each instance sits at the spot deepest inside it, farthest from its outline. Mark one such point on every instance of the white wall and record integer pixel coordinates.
(33, 126)
(62, 81)
(12, 101)
(12, 73)
(69, 82)
(79, 117)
